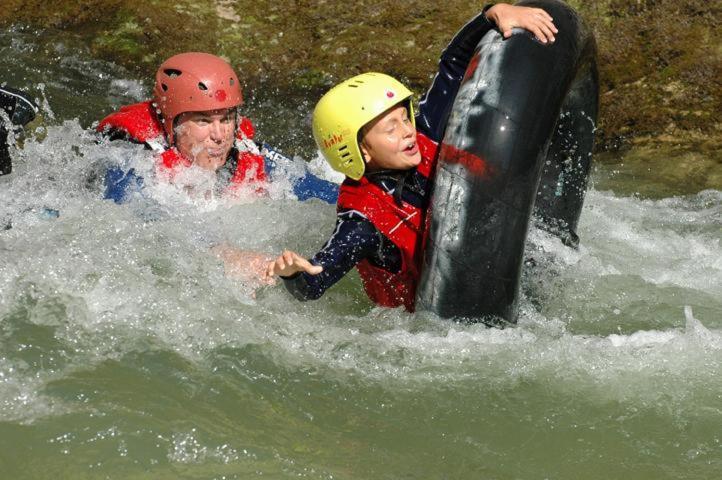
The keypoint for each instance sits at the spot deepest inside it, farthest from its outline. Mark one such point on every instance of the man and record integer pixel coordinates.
(193, 120)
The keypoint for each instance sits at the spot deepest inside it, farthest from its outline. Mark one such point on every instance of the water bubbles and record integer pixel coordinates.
(123, 345)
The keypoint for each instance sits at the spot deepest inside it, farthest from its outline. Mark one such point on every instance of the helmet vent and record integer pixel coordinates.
(172, 72)
(202, 86)
(164, 87)
(232, 82)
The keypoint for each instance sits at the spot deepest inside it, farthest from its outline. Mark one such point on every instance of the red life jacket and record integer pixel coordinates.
(141, 124)
(404, 226)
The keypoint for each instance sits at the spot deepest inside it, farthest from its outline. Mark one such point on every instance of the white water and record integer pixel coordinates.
(109, 277)
(606, 361)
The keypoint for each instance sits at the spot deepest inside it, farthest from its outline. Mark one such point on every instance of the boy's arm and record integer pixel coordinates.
(354, 239)
(436, 104)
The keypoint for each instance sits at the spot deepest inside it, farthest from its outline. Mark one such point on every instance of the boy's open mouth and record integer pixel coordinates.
(411, 149)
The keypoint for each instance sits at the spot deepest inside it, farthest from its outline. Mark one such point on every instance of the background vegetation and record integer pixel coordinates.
(660, 60)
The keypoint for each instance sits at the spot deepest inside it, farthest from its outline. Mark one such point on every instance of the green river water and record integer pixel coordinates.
(126, 353)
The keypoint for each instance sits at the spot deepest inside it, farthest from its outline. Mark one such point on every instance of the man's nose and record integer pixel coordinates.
(216, 130)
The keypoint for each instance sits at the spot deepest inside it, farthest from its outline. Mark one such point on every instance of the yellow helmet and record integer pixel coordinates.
(345, 109)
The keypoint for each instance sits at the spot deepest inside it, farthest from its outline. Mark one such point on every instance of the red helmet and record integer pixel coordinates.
(194, 82)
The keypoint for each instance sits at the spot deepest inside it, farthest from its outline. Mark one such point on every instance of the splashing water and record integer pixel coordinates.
(125, 352)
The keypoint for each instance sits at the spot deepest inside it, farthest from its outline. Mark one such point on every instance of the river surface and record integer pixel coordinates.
(127, 353)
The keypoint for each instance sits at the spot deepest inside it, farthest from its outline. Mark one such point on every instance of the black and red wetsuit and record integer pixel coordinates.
(380, 217)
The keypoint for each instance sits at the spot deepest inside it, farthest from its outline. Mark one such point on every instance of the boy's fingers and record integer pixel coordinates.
(537, 33)
(313, 269)
(291, 261)
(308, 267)
(547, 32)
(549, 25)
(541, 13)
(544, 14)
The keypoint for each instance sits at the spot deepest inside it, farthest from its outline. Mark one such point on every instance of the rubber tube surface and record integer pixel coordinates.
(490, 164)
(565, 172)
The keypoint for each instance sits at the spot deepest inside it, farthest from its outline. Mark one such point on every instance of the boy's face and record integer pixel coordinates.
(206, 138)
(389, 141)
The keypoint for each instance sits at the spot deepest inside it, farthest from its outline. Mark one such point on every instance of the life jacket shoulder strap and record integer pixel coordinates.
(138, 121)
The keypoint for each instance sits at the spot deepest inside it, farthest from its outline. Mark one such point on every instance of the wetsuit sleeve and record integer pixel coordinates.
(307, 185)
(5, 163)
(354, 239)
(18, 106)
(435, 105)
(119, 184)
(21, 111)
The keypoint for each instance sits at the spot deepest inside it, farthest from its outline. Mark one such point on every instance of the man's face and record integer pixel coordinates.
(206, 138)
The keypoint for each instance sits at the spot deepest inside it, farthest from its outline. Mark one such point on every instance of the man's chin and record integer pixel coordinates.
(211, 162)
(217, 160)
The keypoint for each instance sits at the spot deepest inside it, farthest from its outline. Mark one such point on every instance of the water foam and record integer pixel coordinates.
(141, 274)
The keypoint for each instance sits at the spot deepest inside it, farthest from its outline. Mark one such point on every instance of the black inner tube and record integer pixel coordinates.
(494, 151)
(565, 172)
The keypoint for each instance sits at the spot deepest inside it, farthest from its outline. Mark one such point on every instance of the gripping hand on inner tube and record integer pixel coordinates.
(536, 20)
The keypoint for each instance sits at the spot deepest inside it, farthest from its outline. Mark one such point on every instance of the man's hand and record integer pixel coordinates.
(536, 20)
(246, 266)
(289, 263)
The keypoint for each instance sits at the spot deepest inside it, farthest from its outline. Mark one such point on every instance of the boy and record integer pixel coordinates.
(365, 128)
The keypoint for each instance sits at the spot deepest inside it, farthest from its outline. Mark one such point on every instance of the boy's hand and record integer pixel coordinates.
(289, 263)
(536, 20)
